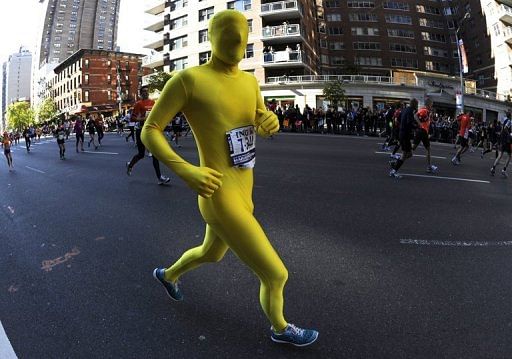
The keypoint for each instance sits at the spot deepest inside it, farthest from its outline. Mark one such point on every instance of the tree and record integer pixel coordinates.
(157, 81)
(20, 115)
(334, 93)
(47, 110)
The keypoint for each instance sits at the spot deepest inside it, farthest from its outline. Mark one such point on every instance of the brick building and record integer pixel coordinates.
(96, 81)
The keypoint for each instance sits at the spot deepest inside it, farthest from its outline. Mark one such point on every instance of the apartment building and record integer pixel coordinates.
(68, 26)
(282, 35)
(498, 19)
(16, 78)
(304, 43)
(96, 81)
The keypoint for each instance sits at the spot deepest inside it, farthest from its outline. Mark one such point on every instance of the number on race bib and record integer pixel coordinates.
(242, 146)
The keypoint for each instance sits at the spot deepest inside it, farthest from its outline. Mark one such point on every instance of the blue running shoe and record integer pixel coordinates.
(295, 335)
(172, 288)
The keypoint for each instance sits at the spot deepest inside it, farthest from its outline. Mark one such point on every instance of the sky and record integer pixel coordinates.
(20, 22)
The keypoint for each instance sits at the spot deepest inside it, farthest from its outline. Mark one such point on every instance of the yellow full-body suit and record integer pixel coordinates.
(224, 108)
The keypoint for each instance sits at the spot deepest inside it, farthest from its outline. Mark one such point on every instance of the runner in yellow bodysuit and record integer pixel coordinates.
(225, 110)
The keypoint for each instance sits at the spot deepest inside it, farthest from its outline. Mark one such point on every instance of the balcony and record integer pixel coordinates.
(154, 40)
(507, 35)
(384, 80)
(282, 34)
(156, 25)
(281, 10)
(154, 7)
(284, 59)
(152, 61)
(505, 14)
(505, 2)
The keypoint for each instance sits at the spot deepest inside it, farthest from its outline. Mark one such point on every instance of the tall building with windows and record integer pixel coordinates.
(493, 68)
(299, 37)
(70, 25)
(283, 40)
(412, 44)
(3, 99)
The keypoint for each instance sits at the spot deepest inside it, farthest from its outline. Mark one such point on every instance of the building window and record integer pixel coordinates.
(204, 57)
(368, 61)
(205, 14)
(86, 95)
(398, 19)
(395, 5)
(402, 48)
(365, 31)
(240, 5)
(249, 24)
(401, 33)
(179, 22)
(109, 79)
(427, 36)
(178, 43)
(179, 64)
(334, 17)
(249, 51)
(361, 16)
(178, 4)
(86, 79)
(366, 46)
(405, 63)
(337, 45)
(203, 36)
(361, 4)
(335, 30)
(332, 3)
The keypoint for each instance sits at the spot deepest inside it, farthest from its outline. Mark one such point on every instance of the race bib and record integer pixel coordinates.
(242, 146)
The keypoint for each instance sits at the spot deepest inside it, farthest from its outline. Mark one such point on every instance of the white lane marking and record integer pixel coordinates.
(6, 350)
(102, 153)
(445, 178)
(422, 242)
(387, 153)
(34, 169)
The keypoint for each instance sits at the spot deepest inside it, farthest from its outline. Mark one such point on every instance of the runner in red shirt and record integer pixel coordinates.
(423, 118)
(139, 114)
(463, 135)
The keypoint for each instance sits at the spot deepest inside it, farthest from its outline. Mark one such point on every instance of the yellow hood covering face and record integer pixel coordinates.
(228, 32)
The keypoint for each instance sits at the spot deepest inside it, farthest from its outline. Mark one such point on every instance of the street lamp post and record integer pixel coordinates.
(462, 90)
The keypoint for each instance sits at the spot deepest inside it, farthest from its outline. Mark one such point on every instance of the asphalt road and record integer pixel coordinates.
(383, 268)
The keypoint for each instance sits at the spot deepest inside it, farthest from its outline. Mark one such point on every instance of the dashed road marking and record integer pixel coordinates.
(426, 242)
(387, 153)
(6, 350)
(101, 153)
(34, 169)
(445, 178)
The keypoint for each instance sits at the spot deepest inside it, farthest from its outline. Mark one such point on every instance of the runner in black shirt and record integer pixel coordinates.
(408, 122)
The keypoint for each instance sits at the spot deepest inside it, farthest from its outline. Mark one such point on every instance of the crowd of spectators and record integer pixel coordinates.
(361, 121)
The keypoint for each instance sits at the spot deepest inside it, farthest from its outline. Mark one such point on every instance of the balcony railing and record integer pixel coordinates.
(154, 60)
(153, 40)
(506, 2)
(154, 7)
(281, 9)
(156, 24)
(270, 32)
(283, 57)
(379, 80)
(329, 78)
(507, 35)
(505, 14)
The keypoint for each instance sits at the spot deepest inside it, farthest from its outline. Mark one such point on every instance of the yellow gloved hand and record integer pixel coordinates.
(204, 180)
(266, 123)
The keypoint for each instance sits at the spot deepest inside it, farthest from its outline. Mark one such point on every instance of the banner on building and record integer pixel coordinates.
(463, 57)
